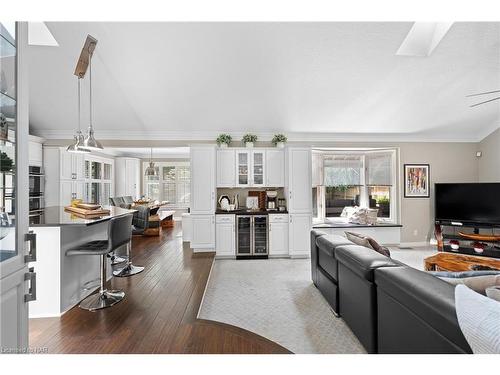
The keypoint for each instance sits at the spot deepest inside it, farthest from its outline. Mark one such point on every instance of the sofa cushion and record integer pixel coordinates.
(329, 242)
(426, 296)
(362, 260)
(326, 257)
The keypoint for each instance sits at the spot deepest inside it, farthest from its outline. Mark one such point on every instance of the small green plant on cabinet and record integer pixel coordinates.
(279, 138)
(224, 139)
(249, 138)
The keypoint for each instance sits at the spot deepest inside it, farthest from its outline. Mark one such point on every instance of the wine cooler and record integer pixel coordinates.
(252, 236)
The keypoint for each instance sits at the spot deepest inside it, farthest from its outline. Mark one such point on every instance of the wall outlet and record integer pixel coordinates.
(415, 232)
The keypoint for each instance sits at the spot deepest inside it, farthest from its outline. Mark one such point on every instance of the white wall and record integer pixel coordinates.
(489, 162)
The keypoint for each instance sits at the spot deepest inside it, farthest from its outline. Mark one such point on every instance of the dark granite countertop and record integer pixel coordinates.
(249, 212)
(55, 216)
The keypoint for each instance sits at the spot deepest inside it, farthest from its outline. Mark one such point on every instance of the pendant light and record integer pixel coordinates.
(90, 142)
(151, 170)
(77, 145)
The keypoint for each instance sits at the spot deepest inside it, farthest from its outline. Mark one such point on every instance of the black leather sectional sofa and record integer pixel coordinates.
(390, 307)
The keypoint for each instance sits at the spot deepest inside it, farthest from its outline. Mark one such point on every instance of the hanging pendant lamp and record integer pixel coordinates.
(90, 142)
(151, 170)
(77, 145)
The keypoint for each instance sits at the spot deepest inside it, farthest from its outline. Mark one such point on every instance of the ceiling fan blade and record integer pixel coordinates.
(482, 93)
(487, 101)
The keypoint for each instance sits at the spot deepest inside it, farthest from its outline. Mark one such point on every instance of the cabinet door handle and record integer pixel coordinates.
(290, 195)
(31, 238)
(31, 277)
(270, 227)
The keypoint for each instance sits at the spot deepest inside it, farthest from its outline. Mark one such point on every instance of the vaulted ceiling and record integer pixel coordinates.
(193, 80)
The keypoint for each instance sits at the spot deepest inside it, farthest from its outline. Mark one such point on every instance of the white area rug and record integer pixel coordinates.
(413, 257)
(276, 299)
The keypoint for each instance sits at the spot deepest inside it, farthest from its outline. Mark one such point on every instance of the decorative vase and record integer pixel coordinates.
(223, 145)
(249, 144)
(280, 145)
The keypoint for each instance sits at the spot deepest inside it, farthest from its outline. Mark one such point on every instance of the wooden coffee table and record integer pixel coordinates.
(457, 262)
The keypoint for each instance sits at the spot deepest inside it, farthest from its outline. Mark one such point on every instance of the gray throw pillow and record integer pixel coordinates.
(368, 242)
(478, 281)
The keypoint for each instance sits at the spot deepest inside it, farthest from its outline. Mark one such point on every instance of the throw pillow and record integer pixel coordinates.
(379, 248)
(478, 281)
(358, 239)
(493, 292)
(368, 242)
(479, 320)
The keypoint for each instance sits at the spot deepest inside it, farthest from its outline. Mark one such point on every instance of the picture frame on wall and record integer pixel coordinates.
(417, 179)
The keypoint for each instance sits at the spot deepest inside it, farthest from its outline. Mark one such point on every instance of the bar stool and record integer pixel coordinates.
(140, 224)
(119, 234)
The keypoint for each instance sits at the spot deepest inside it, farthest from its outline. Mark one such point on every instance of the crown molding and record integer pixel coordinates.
(193, 136)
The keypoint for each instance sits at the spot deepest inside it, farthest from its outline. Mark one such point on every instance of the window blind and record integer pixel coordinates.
(342, 170)
(378, 167)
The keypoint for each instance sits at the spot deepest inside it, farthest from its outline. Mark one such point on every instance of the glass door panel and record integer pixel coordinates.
(244, 235)
(95, 170)
(95, 193)
(258, 168)
(243, 168)
(107, 171)
(106, 192)
(7, 145)
(260, 235)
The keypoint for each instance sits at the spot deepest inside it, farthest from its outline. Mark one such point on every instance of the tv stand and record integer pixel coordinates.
(467, 239)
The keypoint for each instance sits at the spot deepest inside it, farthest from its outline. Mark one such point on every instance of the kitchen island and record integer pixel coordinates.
(63, 281)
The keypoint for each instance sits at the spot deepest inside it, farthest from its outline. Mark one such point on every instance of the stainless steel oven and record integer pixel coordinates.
(252, 236)
(36, 194)
(36, 180)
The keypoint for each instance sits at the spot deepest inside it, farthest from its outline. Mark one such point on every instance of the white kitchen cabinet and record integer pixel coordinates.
(226, 170)
(278, 235)
(127, 177)
(203, 165)
(225, 240)
(70, 190)
(298, 185)
(317, 169)
(275, 168)
(299, 235)
(258, 171)
(203, 232)
(35, 153)
(243, 178)
(250, 168)
(71, 165)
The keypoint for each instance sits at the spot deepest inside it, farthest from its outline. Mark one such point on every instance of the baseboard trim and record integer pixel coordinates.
(414, 244)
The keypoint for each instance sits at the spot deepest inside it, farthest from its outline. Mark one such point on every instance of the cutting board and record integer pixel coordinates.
(87, 214)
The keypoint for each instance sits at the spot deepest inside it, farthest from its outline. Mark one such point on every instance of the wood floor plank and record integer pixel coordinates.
(158, 314)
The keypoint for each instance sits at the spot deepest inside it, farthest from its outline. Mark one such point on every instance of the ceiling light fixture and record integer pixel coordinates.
(77, 146)
(150, 170)
(90, 142)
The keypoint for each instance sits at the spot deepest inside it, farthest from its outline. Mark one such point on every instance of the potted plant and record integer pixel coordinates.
(5, 162)
(223, 140)
(249, 139)
(279, 140)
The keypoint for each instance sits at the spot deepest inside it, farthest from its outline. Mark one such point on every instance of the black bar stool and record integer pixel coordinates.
(141, 218)
(119, 234)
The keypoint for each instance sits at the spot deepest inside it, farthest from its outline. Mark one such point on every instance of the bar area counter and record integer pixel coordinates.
(62, 281)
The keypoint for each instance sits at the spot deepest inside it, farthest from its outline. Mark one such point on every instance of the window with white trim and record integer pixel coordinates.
(171, 183)
(348, 178)
(98, 179)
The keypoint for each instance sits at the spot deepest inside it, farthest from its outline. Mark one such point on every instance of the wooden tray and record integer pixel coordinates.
(87, 214)
(479, 237)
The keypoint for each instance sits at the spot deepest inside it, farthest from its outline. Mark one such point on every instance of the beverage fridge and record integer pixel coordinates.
(252, 236)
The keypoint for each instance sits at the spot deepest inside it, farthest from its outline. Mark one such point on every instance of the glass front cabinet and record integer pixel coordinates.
(250, 168)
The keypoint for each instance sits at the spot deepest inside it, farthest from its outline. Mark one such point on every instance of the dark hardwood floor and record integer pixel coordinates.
(158, 314)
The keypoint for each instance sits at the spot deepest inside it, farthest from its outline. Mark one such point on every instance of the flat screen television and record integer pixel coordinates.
(468, 204)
